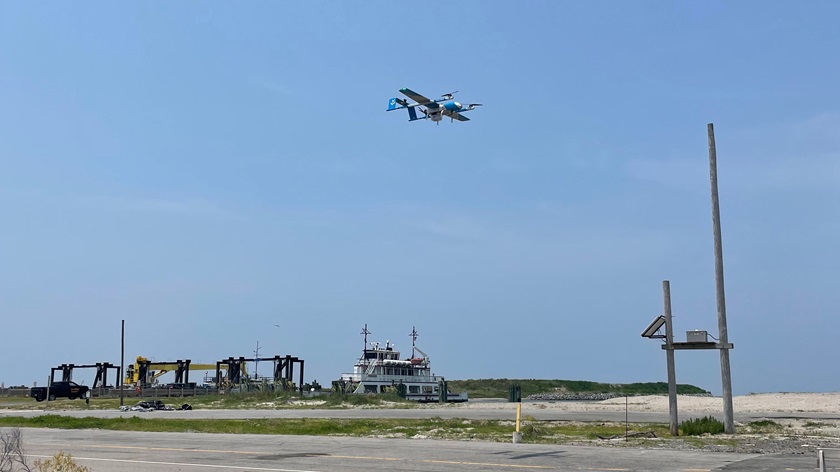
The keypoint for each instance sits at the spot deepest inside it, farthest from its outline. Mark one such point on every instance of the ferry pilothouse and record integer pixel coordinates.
(381, 370)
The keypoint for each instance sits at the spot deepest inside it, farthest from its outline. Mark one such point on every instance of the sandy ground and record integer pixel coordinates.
(793, 435)
(757, 403)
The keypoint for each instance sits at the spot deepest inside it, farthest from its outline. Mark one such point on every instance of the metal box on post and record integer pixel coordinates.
(697, 336)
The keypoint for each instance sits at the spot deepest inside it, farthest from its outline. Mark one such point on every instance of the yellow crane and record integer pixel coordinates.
(133, 371)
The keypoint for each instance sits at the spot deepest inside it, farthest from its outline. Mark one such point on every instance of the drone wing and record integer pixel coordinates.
(421, 100)
(459, 117)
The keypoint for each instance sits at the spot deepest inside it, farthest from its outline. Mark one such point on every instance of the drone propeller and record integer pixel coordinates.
(448, 96)
(472, 106)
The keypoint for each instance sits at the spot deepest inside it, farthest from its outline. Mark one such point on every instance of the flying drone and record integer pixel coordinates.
(433, 110)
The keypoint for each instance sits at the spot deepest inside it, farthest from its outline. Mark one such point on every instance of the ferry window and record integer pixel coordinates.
(370, 388)
(414, 389)
(370, 355)
(427, 389)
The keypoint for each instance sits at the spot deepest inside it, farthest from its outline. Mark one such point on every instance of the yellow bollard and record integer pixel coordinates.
(517, 436)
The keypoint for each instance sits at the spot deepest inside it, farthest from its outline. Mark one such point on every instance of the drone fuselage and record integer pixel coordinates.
(433, 110)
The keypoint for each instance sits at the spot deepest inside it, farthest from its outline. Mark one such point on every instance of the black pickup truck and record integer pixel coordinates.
(70, 390)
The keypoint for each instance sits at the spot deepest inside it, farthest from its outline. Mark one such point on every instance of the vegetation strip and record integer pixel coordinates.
(243, 401)
(758, 436)
(498, 388)
(456, 428)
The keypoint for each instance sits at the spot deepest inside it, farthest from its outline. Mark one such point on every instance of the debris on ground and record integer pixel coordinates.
(643, 434)
(154, 405)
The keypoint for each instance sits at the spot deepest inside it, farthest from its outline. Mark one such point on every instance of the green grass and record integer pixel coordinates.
(487, 430)
(13, 400)
(498, 388)
(698, 426)
(816, 424)
(762, 427)
(535, 432)
(764, 424)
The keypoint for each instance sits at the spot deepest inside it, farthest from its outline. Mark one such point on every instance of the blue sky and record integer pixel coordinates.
(206, 171)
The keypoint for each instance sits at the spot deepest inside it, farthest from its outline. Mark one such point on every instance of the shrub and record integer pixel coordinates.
(13, 456)
(698, 426)
(60, 462)
(12, 452)
(532, 431)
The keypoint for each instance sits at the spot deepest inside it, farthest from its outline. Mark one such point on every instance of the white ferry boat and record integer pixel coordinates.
(381, 370)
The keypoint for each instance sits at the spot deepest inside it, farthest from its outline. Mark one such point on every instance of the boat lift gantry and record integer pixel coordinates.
(101, 379)
(145, 372)
(283, 369)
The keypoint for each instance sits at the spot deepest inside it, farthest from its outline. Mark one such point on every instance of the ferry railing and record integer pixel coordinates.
(405, 378)
(371, 368)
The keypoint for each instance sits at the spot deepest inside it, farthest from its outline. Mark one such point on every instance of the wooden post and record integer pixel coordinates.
(669, 353)
(626, 418)
(725, 374)
(122, 363)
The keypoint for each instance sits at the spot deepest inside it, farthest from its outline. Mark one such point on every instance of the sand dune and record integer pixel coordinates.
(757, 403)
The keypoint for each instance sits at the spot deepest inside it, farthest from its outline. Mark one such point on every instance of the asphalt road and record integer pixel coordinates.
(167, 452)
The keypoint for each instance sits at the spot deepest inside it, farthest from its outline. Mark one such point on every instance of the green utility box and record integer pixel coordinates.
(515, 393)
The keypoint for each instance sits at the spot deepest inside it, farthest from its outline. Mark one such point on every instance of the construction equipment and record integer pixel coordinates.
(229, 372)
(145, 372)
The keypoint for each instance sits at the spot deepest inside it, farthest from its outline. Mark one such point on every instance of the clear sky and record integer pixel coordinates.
(207, 171)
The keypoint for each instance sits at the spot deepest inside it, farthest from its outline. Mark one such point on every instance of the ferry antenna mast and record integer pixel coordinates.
(413, 335)
(365, 332)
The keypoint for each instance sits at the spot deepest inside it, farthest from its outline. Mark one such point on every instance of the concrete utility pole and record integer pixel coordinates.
(669, 352)
(725, 374)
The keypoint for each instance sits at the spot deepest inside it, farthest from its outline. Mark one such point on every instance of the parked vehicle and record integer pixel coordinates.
(70, 390)
(181, 385)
